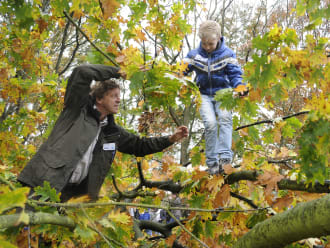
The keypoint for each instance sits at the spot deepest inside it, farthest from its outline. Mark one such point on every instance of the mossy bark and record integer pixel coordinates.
(310, 219)
(35, 219)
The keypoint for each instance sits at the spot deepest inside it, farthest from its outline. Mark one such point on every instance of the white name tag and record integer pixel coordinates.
(109, 146)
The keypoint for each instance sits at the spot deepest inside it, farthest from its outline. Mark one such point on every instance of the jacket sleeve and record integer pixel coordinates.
(188, 60)
(234, 73)
(141, 146)
(78, 87)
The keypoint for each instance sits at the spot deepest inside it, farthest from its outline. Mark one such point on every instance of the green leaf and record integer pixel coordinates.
(85, 234)
(10, 199)
(210, 226)
(197, 201)
(136, 82)
(196, 157)
(197, 227)
(255, 219)
(261, 43)
(47, 193)
(5, 244)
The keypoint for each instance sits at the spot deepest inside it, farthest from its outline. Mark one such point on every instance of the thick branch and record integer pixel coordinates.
(36, 219)
(310, 219)
(242, 198)
(294, 185)
(164, 185)
(284, 184)
(164, 229)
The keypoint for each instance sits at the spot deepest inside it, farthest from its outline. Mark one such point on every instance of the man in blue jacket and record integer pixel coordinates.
(216, 69)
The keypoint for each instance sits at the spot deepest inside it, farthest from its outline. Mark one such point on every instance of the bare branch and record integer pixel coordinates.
(96, 47)
(271, 121)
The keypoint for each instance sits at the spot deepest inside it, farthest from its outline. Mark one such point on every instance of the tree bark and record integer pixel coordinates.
(35, 219)
(310, 219)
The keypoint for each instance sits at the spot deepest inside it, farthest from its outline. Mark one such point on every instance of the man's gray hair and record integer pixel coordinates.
(100, 88)
(209, 30)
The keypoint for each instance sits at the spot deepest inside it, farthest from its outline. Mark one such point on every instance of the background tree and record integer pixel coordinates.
(281, 141)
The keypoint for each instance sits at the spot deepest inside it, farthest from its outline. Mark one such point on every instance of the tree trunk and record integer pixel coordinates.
(310, 219)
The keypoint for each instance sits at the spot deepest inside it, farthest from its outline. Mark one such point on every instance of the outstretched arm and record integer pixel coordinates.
(78, 87)
(141, 146)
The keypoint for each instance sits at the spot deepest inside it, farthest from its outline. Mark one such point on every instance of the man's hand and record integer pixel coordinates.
(242, 90)
(180, 133)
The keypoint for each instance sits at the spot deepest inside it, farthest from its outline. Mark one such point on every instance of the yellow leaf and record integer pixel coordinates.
(215, 183)
(140, 104)
(240, 88)
(84, 198)
(140, 35)
(117, 216)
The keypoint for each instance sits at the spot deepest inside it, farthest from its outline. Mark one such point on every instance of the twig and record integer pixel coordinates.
(128, 194)
(92, 224)
(82, 32)
(101, 204)
(271, 121)
(185, 229)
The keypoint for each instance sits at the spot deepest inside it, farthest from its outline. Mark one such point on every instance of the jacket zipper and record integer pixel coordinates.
(209, 71)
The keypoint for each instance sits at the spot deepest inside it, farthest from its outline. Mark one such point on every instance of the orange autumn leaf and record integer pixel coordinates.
(199, 175)
(140, 35)
(270, 179)
(215, 183)
(169, 241)
(307, 196)
(254, 95)
(282, 203)
(109, 7)
(228, 169)
(222, 197)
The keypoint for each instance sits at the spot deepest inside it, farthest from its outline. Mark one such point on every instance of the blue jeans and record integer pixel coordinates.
(218, 130)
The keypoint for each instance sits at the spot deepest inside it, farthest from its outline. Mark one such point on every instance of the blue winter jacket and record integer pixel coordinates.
(216, 70)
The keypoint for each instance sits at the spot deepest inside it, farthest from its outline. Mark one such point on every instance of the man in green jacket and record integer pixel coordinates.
(82, 145)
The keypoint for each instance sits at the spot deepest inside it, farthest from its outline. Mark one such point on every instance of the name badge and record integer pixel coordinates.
(109, 146)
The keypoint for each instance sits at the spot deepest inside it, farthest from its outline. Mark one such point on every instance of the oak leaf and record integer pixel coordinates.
(270, 179)
(222, 197)
(215, 183)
